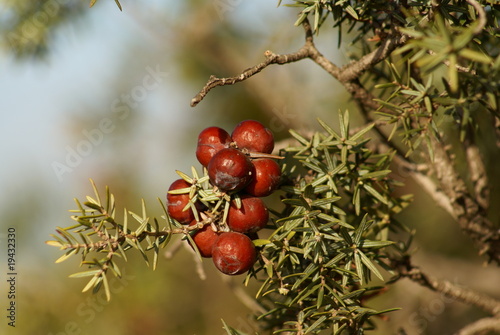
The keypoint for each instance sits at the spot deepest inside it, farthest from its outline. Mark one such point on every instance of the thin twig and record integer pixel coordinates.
(459, 67)
(482, 16)
(271, 58)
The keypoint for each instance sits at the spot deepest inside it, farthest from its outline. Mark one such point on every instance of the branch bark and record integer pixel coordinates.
(470, 215)
(355, 69)
(478, 175)
(347, 75)
(271, 58)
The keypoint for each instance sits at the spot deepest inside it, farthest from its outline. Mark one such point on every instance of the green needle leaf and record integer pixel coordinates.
(366, 261)
(85, 274)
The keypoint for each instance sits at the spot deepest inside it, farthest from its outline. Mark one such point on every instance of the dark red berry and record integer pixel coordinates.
(252, 216)
(233, 253)
(253, 136)
(210, 141)
(266, 177)
(204, 239)
(230, 170)
(177, 202)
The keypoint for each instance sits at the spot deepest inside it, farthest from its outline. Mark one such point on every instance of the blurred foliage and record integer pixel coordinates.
(28, 26)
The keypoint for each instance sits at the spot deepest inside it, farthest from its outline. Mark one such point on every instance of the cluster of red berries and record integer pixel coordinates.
(242, 164)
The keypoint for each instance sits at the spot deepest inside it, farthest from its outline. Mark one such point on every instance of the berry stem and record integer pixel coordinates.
(262, 155)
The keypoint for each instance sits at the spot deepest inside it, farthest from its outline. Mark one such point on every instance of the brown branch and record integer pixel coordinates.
(481, 326)
(470, 215)
(456, 292)
(355, 69)
(478, 175)
(426, 183)
(348, 75)
(271, 58)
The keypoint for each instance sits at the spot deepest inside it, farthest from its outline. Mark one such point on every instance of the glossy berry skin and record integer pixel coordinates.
(230, 170)
(204, 239)
(210, 141)
(177, 202)
(266, 177)
(233, 253)
(253, 136)
(251, 217)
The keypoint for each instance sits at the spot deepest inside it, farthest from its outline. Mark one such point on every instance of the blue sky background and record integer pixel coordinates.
(41, 99)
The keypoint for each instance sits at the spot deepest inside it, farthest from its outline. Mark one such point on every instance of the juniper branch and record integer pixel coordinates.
(347, 75)
(271, 58)
(470, 215)
(355, 69)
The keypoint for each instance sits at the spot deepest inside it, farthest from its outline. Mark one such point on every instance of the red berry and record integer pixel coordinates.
(251, 217)
(204, 239)
(266, 177)
(177, 202)
(230, 170)
(253, 136)
(210, 141)
(233, 253)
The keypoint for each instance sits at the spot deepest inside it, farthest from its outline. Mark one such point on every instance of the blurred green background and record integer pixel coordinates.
(103, 94)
